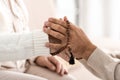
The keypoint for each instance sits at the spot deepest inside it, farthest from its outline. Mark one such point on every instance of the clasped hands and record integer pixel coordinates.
(81, 46)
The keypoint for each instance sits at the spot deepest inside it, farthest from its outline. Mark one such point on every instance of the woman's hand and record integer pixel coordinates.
(51, 63)
(79, 42)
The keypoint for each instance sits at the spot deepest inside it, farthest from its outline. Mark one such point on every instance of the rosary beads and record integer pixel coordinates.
(71, 60)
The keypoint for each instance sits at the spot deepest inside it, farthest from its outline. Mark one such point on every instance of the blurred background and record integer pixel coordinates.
(100, 19)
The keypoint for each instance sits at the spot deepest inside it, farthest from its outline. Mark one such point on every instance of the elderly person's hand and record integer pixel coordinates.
(51, 63)
(80, 44)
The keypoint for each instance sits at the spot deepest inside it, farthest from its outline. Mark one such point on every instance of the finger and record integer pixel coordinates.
(66, 71)
(53, 46)
(58, 67)
(56, 27)
(56, 63)
(54, 34)
(62, 71)
(71, 25)
(44, 62)
(50, 65)
(65, 18)
(44, 26)
(58, 21)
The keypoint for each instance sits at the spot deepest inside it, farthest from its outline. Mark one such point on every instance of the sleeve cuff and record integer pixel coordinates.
(39, 40)
(99, 58)
(102, 63)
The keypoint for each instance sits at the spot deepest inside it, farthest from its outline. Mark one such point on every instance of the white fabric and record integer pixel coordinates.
(15, 46)
(16, 42)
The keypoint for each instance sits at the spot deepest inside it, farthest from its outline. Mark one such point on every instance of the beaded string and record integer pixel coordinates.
(71, 60)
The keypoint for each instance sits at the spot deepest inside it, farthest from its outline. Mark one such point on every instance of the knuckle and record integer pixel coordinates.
(49, 57)
(59, 27)
(57, 62)
(61, 22)
(53, 25)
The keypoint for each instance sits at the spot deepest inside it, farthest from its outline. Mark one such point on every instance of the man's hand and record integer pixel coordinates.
(80, 44)
(51, 63)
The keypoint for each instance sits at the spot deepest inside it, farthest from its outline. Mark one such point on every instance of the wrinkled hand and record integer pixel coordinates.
(51, 63)
(79, 42)
(59, 40)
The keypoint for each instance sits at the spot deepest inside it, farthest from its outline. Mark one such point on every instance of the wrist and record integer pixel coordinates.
(89, 50)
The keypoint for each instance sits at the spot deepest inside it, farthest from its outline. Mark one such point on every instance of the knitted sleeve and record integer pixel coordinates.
(16, 46)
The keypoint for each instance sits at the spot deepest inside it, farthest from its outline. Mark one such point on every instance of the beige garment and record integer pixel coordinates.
(103, 65)
(10, 75)
(43, 72)
(34, 73)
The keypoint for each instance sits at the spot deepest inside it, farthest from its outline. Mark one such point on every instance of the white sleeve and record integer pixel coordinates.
(103, 65)
(18, 46)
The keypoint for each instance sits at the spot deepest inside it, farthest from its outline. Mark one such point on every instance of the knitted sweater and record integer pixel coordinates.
(16, 41)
